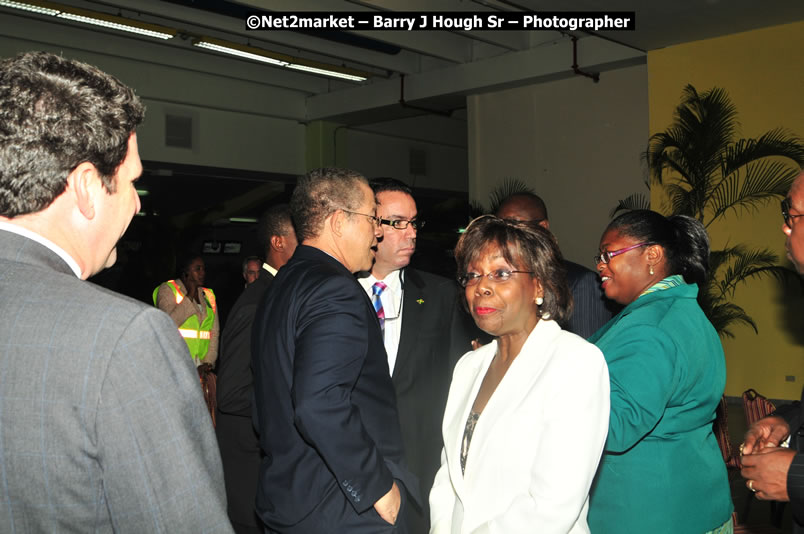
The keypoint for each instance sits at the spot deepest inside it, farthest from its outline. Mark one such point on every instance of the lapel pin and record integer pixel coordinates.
(420, 301)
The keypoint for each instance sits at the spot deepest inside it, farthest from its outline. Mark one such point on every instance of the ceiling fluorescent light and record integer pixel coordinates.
(120, 23)
(41, 9)
(326, 72)
(92, 17)
(234, 49)
(280, 60)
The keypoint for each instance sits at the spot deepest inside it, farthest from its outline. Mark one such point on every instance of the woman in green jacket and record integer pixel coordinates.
(662, 470)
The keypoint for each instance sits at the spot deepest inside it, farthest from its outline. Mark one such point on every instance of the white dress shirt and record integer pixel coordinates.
(391, 299)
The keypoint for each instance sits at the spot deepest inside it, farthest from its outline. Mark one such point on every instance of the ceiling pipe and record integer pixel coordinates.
(413, 106)
(594, 75)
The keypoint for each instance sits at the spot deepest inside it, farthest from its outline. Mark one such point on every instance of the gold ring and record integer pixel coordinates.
(751, 486)
(742, 446)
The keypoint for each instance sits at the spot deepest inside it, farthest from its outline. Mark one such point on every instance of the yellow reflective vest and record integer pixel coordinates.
(195, 333)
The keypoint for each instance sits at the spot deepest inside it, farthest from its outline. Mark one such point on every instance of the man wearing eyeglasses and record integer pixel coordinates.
(425, 332)
(772, 472)
(325, 411)
(591, 308)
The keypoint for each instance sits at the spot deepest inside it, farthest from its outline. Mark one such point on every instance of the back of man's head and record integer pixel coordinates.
(55, 114)
(275, 222)
(319, 194)
(524, 207)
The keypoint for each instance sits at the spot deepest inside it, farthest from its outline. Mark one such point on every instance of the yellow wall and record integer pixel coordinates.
(762, 72)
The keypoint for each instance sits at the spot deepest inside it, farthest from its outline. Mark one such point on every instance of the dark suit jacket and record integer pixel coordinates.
(794, 415)
(591, 308)
(326, 410)
(104, 427)
(436, 332)
(240, 448)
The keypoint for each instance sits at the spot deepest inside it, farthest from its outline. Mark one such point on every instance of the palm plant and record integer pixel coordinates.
(708, 171)
(509, 186)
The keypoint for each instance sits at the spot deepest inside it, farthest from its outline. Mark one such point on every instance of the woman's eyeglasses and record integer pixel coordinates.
(500, 275)
(606, 256)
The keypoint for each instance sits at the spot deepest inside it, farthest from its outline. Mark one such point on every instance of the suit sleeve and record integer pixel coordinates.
(589, 306)
(156, 444)
(214, 340)
(235, 379)
(559, 488)
(793, 413)
(642, 368)
(331, 349)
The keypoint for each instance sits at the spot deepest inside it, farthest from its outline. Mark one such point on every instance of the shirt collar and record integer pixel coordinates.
(269, 268)
(45, 242)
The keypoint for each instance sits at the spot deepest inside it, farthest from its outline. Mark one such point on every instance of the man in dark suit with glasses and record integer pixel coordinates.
(772, 472)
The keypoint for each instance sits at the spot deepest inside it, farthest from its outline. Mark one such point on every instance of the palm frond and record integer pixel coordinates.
(724, 315)
(635, 201)
(764, 180)
(681, 200)
(665, 151)
(476, 209)
(510, 186)
(747, 264)
(775, 143)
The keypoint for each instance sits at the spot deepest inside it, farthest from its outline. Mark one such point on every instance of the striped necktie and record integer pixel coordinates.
(377, 289)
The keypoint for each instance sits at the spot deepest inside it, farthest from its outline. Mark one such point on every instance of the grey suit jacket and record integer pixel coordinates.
(103, 427)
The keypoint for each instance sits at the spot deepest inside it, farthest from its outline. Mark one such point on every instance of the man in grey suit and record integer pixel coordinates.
(425, 332)
(104, 428)
(591, 309)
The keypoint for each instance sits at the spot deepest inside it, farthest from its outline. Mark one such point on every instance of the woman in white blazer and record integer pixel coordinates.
(527, 414)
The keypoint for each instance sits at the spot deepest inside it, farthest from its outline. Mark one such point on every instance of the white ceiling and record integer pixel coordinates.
(433, 71)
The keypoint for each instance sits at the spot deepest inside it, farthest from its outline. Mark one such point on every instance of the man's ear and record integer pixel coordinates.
(84, 183)
(336, 222)
(277, 242)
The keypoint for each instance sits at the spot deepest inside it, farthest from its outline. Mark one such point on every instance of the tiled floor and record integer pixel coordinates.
(759, 512)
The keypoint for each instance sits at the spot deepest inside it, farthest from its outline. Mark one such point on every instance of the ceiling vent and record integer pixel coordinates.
(178, 131)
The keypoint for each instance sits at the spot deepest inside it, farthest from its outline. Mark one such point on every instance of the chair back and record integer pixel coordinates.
(720, 428)
(756, 406)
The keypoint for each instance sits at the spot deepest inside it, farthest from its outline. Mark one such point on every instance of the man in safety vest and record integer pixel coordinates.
(194, 310)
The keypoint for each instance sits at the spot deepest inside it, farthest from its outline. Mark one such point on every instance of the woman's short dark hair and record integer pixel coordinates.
(185, 260)
(526, 247)
(684, 240)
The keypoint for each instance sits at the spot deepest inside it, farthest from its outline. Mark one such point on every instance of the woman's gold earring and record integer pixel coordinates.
(651, 270)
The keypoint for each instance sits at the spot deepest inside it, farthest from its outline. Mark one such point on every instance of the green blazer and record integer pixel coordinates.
(661, 470)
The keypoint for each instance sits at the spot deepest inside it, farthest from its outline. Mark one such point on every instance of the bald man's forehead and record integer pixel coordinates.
(520, 209)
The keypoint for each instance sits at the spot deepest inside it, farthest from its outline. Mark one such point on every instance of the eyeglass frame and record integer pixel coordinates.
(376, 220)
(786, 215)
(606, 256)
(394, 223)
(465, 281)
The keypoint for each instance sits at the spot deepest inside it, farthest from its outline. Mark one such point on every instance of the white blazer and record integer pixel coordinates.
(536, 445)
